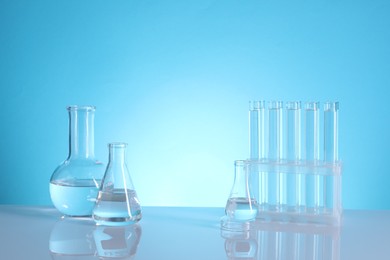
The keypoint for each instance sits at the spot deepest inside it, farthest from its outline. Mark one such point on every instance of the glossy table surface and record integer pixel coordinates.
(187, 233)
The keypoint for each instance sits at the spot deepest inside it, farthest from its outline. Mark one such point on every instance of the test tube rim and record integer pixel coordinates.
(293, 105)
(82, 107)
(331, 106)
(275, 104)
(256, 105)
(117, 145)
(312, 105)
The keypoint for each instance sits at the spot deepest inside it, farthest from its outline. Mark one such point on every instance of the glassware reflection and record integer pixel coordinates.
(80, 238)
(282, 241)
(72, 238)
(117, 242)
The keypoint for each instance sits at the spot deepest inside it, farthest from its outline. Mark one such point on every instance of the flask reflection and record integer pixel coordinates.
(75, 238)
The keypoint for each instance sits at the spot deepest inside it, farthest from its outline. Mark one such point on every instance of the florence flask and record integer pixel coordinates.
(74, 184)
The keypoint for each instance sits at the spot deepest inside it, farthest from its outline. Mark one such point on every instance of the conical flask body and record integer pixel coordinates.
(241, 204)
(117, 203)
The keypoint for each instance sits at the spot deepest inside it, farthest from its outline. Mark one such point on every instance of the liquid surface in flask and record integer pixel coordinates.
(117, 206)
(74, 198)
(241, 208)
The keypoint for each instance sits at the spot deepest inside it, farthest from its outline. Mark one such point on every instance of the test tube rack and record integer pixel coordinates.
(293, 176)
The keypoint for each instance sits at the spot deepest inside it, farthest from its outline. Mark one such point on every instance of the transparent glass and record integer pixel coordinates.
(293, 152)
(74, 185)
(312, 133)
(241, 204)
(312, 154)
(275, 181)
(256, 140)
(330, 149)
(331, 131)
(275, 131)
(117, 203)
(256, 129)
(117, 242)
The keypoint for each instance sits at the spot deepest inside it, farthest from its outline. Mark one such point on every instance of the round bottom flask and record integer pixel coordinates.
(74, 184)
(117, 203)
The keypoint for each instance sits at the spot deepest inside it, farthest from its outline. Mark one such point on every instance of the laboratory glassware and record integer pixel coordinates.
(74, 185)
(241, 204)
(117, 203)
(294, 161)
(117, 242)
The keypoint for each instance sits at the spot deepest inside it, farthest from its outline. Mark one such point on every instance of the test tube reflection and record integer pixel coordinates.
(283, 241)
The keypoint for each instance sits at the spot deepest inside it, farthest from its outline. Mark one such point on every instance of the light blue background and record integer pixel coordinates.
(173, 79)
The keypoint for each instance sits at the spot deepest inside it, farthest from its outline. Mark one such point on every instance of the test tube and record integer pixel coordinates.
(257, 147)
(330, 149)
(293, 152)
(293, 126)
(331, 131)
(311, 153)
(274, 152)
(312, 136)
(275, 147)
(256, 129)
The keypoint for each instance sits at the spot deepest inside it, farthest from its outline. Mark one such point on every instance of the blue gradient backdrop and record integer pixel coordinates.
(173, 79)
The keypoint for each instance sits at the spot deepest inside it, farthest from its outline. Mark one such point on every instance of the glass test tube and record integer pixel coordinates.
(312, 137)
(293, 152)
(331, 131)
(330, 149)
(274, 152)
(256, 130)
(293, 126)
(257, 147)
(311, 149)
(275, 148)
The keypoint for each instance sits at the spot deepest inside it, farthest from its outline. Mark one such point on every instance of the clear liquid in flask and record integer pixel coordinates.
(75, 198)
(117, 207)
(241, 208)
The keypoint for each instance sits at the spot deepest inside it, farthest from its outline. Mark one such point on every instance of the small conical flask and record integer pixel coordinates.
(117, 203)
(241, 204)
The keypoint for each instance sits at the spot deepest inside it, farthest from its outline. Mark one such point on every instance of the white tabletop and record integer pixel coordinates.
(187, 233)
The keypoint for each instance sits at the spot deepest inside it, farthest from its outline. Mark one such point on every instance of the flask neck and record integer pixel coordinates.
(241, 185)
(81, 132)
(117, 153)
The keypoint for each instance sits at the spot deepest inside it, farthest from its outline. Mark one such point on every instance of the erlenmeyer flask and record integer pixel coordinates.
(241, 204)
(117, 203)
(74, 185)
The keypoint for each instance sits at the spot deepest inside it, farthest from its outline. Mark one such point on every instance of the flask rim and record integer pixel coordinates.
(82, 107)
(117, 145)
